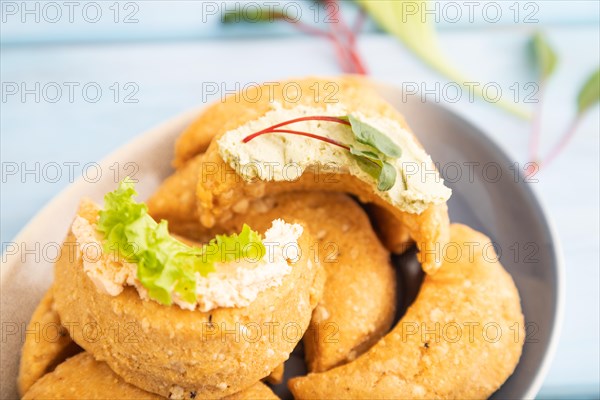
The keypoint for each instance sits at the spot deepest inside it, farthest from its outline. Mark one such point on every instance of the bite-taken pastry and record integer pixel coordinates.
(82, 377)
(357, 144)
(42, 353)
(359, 299)
(181, 321)
(461, 339)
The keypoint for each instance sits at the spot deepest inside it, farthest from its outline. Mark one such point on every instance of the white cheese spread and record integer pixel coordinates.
(233, 284)
(281, 156)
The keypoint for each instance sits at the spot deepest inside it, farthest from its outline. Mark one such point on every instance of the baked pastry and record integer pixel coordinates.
(461, 338)
(82, 377)
(394, 236)
(50, 346)
(360, 145)
(241, 322)
(359, 299)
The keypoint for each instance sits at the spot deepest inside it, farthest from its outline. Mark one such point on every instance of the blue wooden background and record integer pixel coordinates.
(157, 56)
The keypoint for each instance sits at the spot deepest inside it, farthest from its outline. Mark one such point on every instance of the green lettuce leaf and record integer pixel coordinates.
(164, 264)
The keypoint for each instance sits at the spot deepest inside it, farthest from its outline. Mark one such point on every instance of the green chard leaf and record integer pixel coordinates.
(544, 56)
(374, 162)
(387, 178)
(368, 162)
(369, 135)
(589, 94)
(405, 19)
(374, 165)
(164, 264)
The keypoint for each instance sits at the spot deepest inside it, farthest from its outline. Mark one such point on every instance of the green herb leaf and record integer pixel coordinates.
(164, 264)
(368, 162)
(387, 178)
(365, 153)
(371, 168)
(544, 56)
(374, 162)
(589, 94)
(369, 135)
(375, 166)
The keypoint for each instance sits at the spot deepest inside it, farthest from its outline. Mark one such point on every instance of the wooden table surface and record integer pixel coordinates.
(164, 64)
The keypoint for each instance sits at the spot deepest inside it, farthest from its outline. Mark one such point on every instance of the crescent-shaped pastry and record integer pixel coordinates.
(82, 377)
(246, 160)
(176, 352)
(460, 339)
(359, 298)
(50, 346)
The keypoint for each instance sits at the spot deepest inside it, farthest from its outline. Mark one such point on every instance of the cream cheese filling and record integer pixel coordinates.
(233, 284)
(284, 157)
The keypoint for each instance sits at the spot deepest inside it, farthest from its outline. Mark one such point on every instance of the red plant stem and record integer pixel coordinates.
(359, 22)
(360, 68)
(339, 25)
(346, 53)
(343, 54)
(300, 133)
(339, 48)
(341, 30)
(534, 141)
(292, 121)
(351, 37)
(563, 142)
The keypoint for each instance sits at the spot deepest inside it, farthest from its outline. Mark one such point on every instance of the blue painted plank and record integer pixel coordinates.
(85, 21)
(171, 77)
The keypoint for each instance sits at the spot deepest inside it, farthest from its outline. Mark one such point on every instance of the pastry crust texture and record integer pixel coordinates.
(46, 349)
(82, 377)
(174, 352)
(461, 338)
(359, 299)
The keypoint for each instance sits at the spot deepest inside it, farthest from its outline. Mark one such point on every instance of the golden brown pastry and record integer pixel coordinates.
(394, 236)
(276, 376)
(82, 377)
(222, 192)
(179, 353)
(461, 339)
(175, 201)
(46, 349)
(359, 299)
